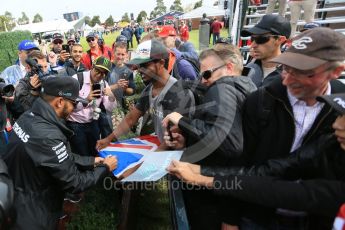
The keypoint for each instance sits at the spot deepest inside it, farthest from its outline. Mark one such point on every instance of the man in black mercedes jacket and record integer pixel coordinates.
(285, 115)
(39, 159)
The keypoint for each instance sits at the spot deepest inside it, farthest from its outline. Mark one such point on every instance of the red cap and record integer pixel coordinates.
(166, 31)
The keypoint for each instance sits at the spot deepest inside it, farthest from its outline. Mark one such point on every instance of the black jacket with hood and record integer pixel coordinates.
(43, 168)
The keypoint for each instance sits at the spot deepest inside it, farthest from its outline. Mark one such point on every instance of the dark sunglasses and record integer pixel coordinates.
(58, 42)
(262, 39)
(208, 73)
(73, 102)
(90, 39)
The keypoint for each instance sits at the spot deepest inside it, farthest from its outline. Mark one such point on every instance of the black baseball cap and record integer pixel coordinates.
(57, 36)
(270, 23)
(66, 87)
(336, 101)
(148, 51)
(91, 35)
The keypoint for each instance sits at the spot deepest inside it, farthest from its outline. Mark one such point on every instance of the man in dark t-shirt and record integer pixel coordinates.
(149, 59)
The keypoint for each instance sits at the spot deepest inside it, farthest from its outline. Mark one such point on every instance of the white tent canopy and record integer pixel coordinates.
(198, 12)
(60, 25)
(87, 29)
(98, 27)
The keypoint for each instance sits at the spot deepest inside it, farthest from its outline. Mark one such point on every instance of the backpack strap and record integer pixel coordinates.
(80, 76)
(89, 53)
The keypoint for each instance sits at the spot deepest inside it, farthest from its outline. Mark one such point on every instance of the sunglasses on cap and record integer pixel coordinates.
(208, 73)
(58, 42)
(90, 39)
(262, 39)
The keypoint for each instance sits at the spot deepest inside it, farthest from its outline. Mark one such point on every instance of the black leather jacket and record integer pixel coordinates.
(318, 187)
(216, 128)
(43, 168)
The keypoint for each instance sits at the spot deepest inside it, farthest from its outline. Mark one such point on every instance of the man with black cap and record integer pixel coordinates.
(85, 121)
(285, 115)
(267, 37)
(40, 161)
(57, 56)
(96, 50)
(163, 94)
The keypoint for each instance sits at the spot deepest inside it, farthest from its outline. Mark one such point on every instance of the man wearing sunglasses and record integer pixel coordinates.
(285, 115)
(57, 56)
(96, 50)
(267, 37)
(84, 120)
(162, 95)
(40, 162)
(214, 134)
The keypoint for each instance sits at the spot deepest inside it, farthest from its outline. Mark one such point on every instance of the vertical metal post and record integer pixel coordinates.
(231, 15)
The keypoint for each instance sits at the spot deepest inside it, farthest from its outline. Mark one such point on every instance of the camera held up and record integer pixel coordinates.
(6, 90)
(35, 68)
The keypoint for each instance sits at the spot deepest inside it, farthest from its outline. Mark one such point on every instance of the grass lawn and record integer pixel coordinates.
(110, 38)
(100, 207)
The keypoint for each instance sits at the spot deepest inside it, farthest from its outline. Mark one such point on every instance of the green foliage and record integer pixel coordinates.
(141, 16)
(24, 19)
(176, 6)
(7, 22)
(37, 18)
(125, 18)
(9, 46)
(87, 20)
(198, 4)
(95, 20)
(109, 21)
(159, 10)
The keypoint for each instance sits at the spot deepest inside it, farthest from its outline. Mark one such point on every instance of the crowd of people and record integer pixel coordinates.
(275, 125)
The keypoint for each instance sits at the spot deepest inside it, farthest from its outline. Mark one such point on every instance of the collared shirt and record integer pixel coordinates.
(13, 74)
(304, 117)
(84, 115)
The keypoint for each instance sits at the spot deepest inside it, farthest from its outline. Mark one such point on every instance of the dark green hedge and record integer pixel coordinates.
(9, 46)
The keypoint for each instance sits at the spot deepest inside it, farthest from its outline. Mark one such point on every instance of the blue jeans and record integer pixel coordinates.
(215, 38)
(85, 137)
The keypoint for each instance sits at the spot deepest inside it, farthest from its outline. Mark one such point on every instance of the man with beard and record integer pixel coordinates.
(267, 37)
(74, 65)
(163, 94)
(57, 56)
(40, 161)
